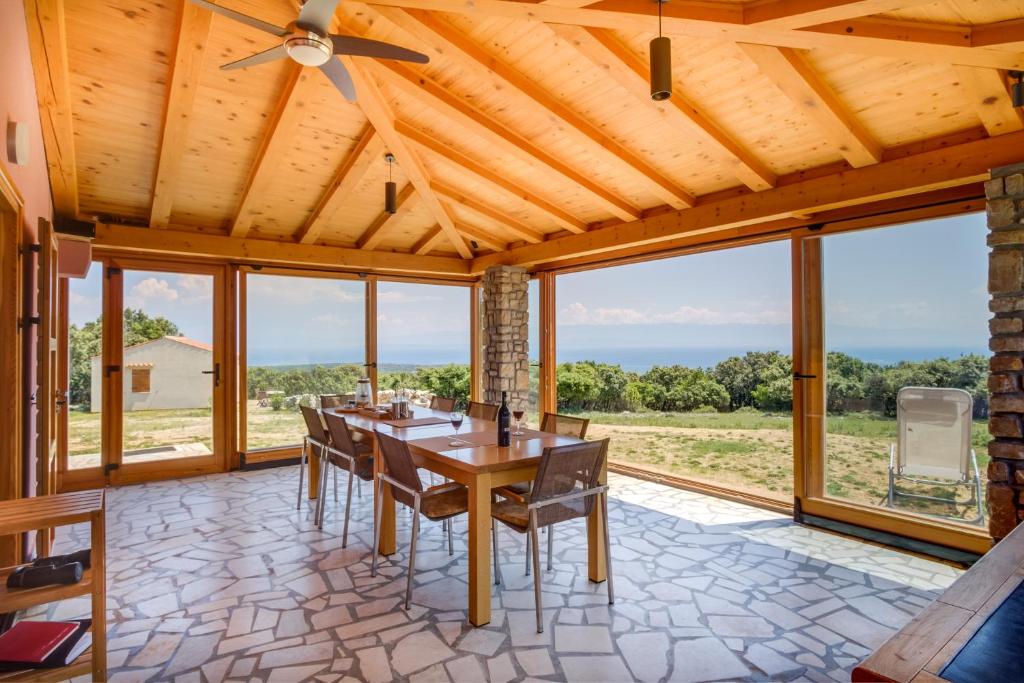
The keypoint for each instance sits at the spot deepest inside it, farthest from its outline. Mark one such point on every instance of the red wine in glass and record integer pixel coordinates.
(518, 415)
(456, 420)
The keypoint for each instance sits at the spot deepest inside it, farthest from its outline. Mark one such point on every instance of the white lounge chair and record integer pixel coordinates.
(934, 444)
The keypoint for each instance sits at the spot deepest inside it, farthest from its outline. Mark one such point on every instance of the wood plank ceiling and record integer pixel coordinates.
(531, 123)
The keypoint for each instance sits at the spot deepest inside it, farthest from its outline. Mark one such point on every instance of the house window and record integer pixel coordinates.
(140, 380)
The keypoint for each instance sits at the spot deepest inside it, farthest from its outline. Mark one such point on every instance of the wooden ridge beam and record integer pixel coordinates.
(606, 52)
(277, 140)
(938, 169)
(186, 68)
(991, 99)
(955, 35)
(426, 90)
(261, 251)
(801, 13)
(561, 218)
(513, 225)
(47, 37)
(815, 99)
(717, 21)
(406, 201)
(436, 31)
(429, 241)
(377, 111)
(350, 173)
(1002, 34)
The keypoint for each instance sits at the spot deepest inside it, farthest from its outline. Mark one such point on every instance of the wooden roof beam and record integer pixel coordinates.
(481, 237)
(434, 30)
(815, 99)
(429, 241)
(514, 226)
(406, 201)
(427, 90)
(802, 13)
(1003, 34)
(47, 38)
(372, 102)
(606, 52)
(988, 92)
(186, 67)
(277, 140)
(353, 169)
(479, 171)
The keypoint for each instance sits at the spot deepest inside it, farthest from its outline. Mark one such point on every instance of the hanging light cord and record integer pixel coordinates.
(659, 18)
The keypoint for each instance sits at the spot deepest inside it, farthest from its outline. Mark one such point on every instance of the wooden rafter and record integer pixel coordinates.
(480, 172)
(991, 99)
(406, 201)
(422, 87)
(717, 21)
(277, 140)
(377, 111)
(606, 51)
(514, 226)
(1002, 34)
(947, 167)
(48, 45)
(353, 169)
(429, 241)
(802, 13)
(814, 98)
(435, 30)
(928, 33)
(481, 237)
(186, 67)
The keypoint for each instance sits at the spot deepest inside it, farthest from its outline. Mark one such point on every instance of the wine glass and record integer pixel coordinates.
(518, 415)
(456, 420)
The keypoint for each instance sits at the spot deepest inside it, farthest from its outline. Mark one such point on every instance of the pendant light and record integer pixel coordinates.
(1018, 88)
(661, 63)
(390, 192)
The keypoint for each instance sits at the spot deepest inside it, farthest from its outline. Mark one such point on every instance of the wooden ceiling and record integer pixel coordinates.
(530, 135)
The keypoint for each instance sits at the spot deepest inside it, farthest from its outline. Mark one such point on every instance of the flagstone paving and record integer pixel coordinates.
(220, 578)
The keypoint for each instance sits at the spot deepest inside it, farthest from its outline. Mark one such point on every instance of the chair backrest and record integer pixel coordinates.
(341, 437)
(261, 394)
(313, 424)
(400, 466)
(565, 425)
(934, 432)
(335, 400)
(442, 403)
(564, 470)
(482, 411)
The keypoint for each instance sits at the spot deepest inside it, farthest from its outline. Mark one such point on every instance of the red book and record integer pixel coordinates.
(31, 642)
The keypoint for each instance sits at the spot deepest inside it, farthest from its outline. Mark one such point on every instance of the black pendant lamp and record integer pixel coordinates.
(390, 191)
(1018, 88)
(661, 63)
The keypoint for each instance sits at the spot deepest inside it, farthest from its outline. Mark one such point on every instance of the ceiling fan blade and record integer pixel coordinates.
(364, 47)
(317, 15)
(244, 18)
(258, 58)
(338, 74)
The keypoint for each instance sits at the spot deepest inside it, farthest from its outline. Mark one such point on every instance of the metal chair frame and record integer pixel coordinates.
(321, 506)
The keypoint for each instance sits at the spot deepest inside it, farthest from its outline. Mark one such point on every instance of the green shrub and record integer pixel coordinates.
(277, 402)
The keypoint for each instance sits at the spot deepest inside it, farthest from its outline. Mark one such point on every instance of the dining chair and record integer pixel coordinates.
(317, 437)
(553, 423)
(355, 457)
(442, 403)
(335, 400)
(437, 503)
(482, 411)
(566, 487)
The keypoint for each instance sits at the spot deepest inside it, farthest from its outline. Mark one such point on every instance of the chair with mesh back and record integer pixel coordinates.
(437, 503)
(335, 400)
(933, 444)
(482, 411)
(566, 488)
(343, 452)
(316, 437)
(566, 425)
(442, 403)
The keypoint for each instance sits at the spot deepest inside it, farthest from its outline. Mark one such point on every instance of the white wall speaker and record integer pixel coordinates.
(17, 143)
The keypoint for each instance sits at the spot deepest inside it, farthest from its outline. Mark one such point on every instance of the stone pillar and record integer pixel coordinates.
(1005, 211)
(506, 364)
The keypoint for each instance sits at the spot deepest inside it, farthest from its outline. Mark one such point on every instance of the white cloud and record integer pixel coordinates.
(405, 298)
(297, 291)
(195, 286)
(578, 314)
(151, 289)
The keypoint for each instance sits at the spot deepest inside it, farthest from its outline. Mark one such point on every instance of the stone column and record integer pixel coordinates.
(1005, 211)
(506, 364)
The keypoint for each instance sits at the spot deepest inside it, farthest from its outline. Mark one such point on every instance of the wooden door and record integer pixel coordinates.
(49, 401)
(11, 446)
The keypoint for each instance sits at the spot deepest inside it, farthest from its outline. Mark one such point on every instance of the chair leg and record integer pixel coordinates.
(528, 554)
(359, 489)
(302, 473)
(536, 573)
(335, 484)
(412, 550)
(451, 544)
(607, 548)
(377, 512)
(323, 487)
(348, 502)
(494, 552)
(551, 545)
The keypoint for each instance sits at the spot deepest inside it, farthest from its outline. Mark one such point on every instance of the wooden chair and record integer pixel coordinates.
(566, 486)
(335, 400)
(344, 452)
(437, 503)
(317, 437)
(482, 411)
(442, 403)
(262, 399)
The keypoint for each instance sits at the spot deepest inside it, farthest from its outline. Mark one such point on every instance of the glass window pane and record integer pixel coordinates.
(85, 341)
(533, 348)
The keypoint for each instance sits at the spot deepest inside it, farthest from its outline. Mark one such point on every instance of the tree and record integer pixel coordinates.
(741, 375)
(451, 381)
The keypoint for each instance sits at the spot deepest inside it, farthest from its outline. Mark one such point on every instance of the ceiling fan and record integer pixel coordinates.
(309, 42)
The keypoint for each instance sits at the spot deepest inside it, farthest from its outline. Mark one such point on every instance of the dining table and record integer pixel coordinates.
(477, 462)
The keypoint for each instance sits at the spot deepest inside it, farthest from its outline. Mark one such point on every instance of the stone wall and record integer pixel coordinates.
(1005, 211)
(506, 364)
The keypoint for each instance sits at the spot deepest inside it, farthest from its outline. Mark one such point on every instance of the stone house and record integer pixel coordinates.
(161, 374)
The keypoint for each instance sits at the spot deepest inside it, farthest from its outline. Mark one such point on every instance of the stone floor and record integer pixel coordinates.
(221, 578)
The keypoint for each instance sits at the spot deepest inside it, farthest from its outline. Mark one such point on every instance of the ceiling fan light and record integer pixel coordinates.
(1018, 89)
(661, 68)
(310, 50)
(391, 197)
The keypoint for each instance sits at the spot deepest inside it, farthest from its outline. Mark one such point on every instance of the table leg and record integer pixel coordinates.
(597, 565)
(480, 549)
(313, 474)
(99, 596)
(388, 543)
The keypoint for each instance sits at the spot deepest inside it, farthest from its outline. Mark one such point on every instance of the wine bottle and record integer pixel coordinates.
(504, 420)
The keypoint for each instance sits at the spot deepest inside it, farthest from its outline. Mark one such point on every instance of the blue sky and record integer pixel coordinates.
(911, 292)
